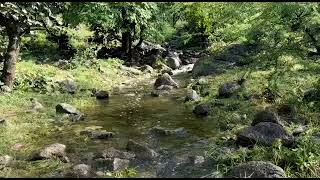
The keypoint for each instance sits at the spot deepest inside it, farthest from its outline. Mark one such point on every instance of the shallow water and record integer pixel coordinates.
(131, 115)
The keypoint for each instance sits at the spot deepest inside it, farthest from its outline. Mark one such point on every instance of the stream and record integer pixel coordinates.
(131, 115)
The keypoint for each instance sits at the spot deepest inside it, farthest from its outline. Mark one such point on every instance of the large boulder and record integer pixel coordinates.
(209, 66)
(256, 169)
(192, 96)
(236, 54)
(266, 133)
(141, 151)
(173, 60)
(165, 79)
(68, 85)
(81, 170)
(228, 89)
(160, 131)
(51, 151)
(266, 116)
(65, 108)
(202, 109)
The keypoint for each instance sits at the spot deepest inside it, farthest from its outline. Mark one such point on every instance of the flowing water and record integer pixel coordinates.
(132, 115)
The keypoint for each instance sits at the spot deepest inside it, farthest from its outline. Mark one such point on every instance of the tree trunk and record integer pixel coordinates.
(141, 37)
(126, 38)
(10, 59)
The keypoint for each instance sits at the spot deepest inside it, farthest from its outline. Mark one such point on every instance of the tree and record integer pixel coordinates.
(128, 19)
(18, 18)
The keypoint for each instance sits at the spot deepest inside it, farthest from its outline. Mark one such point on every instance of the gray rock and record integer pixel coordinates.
(112, 164)
(266, 116)
(202, 109)
(141, 151)
(5, 160)
(76, 117)
(297, 131)
(147, 68)
(97, 134)
(66, 109)
(165, 87)
(173, 61)
(81, 170)
(266, 133)
(196, 160)
(114, 153)
(157, 93)
(120, 164)
(228, 89)
(68, 85)
(5, 88)
(160, 131)
(257, 169)
(165, 79)
(53, 150)
(102, 94)
(192, 96)
(35, 105)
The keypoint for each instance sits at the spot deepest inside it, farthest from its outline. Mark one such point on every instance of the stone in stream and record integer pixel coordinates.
(97, 134)
(66, 109)
(256, 169)
(202, 109)
(101, 94)
(196, 160)
(165, 87)
(141, 151)
(165, 79)
(266, 116)
(114, 153)
(192, 96)
(266, 133)
(81, 170)
(51, 151)
(5, 160)
(112, 164)
(160, 131)
(173, 60)
(157, 93)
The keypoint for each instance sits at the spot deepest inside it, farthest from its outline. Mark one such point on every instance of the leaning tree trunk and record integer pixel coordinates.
(10, 59)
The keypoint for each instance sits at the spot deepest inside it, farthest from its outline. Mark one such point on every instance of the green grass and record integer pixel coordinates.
(36, 130)
(294, 76)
